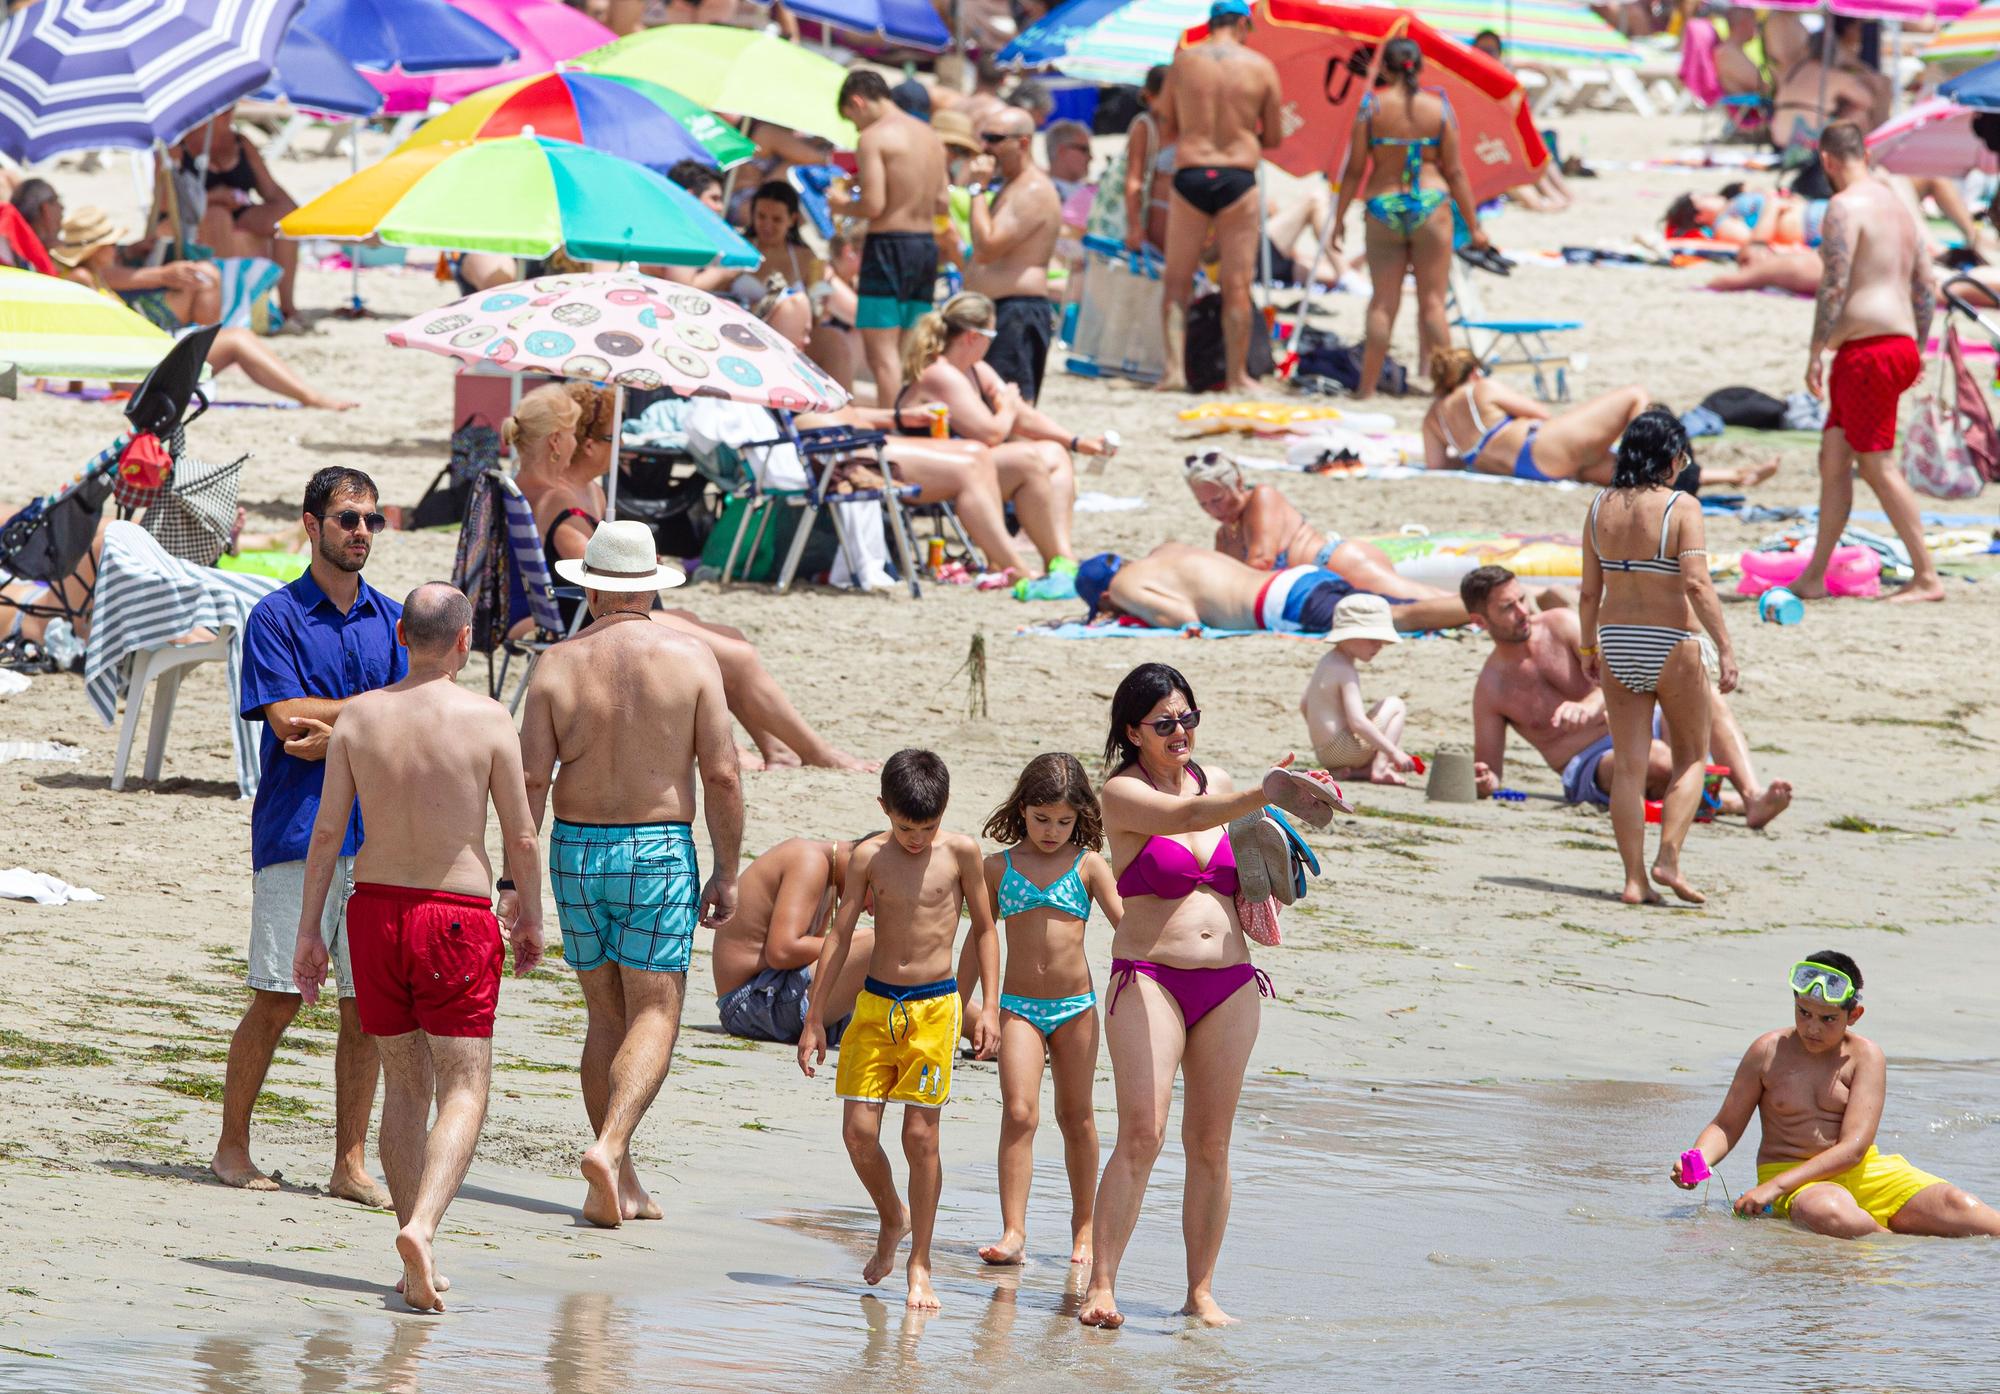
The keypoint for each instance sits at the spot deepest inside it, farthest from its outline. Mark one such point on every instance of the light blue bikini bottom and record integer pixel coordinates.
(1045, 1014)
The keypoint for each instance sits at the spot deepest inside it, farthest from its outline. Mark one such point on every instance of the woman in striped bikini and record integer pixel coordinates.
(1642, 649)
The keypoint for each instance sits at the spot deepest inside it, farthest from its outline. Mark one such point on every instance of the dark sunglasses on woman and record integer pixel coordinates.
(1167, 725)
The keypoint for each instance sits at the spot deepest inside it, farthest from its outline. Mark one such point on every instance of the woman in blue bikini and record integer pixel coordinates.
(1480, 424)
(1042, 887)
(1405, 157)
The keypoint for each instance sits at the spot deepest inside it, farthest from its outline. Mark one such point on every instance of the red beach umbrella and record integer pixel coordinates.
(1326, 59)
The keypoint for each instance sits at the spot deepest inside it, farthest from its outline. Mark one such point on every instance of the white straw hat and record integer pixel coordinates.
(1363, 616)
(620, 557)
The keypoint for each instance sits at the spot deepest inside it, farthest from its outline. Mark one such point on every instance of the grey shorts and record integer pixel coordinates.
(772, 1007)
(275, 895)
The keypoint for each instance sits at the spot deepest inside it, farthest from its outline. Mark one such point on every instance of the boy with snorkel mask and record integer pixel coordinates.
(1817, 1088)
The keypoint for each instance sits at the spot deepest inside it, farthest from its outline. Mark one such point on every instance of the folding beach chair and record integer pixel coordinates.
(821, 451)
(501, 570)
(1510, 343)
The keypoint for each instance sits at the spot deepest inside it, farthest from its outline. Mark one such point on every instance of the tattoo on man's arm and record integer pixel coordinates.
(1838, 256)
(1923, 302)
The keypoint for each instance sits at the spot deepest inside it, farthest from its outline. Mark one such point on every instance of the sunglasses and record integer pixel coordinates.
(350, 519)
(995, 137)
(1167, 725)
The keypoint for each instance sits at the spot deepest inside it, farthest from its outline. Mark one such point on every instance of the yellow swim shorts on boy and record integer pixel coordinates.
(899, 1045)
(1880, 1185)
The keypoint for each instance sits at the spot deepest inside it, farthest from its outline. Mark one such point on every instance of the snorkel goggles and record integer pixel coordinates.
(1832, 986)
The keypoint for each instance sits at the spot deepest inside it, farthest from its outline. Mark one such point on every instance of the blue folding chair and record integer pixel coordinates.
(820, 450)
(1508, 343)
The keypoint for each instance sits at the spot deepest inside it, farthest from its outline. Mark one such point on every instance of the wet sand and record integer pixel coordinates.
(1448, 943)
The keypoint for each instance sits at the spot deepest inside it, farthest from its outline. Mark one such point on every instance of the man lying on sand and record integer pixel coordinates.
(1175, 586)
(764, 953)
(1534, 682)
(1817, 1089)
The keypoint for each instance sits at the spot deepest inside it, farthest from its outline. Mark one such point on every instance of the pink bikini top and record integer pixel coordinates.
(1168, 870)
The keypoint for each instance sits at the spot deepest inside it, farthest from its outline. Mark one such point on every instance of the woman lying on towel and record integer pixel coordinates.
(1259, 526)
(1741, 217)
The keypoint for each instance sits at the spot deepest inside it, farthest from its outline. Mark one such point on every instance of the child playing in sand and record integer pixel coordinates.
(1350, 742)
(900, 1040)
(1817, 1088)
(1042, 885)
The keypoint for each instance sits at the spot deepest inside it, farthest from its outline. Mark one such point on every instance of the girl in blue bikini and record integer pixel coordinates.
(1042, 887)
(1405, 158)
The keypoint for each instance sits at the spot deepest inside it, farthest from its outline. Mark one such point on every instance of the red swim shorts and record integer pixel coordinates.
(423, 961)
(1868, 378)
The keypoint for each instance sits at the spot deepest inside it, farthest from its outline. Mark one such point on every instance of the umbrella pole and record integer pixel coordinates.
(354, 253)
(617, 440)
(1825, 66)
(1264, 253)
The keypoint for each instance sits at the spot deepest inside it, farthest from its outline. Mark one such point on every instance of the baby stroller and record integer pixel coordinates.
(47, 544)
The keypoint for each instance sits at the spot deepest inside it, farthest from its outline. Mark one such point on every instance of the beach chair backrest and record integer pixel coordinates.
(480, 567)
(524, 544)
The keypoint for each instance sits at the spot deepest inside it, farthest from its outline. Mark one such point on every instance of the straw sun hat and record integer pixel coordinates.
(620, 557)
(1363, 616)
(954, 128)
(84, 230)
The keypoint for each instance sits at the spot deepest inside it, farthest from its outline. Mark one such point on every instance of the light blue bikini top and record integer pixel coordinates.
(1065, 894)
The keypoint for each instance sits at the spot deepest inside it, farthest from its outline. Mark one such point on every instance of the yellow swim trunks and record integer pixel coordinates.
(1880, 1185)
(899, 1046)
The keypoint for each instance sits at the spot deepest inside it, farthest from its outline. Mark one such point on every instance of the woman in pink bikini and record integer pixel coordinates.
(1183, 992)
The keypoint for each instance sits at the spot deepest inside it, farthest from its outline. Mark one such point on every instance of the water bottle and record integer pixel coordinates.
(1779, 606)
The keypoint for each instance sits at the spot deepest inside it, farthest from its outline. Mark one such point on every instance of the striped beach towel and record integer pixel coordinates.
(145, 598)
(245, 281)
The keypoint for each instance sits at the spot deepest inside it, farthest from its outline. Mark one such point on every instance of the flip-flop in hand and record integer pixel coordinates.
(1313, 797)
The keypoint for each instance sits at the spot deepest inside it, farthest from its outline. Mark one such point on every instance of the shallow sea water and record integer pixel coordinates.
(1508, 1237)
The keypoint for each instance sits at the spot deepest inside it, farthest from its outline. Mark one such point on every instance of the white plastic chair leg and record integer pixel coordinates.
(135, 689)
(164, 692)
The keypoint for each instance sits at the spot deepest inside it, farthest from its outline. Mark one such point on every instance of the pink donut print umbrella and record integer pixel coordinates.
(626, 329)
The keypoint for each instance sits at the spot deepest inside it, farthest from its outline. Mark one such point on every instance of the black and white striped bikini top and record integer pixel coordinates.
(1659, 564)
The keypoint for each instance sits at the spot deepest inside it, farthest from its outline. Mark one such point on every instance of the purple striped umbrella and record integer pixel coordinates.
(76, 74)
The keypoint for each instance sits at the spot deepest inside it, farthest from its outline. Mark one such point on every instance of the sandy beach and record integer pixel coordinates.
(1476, 946)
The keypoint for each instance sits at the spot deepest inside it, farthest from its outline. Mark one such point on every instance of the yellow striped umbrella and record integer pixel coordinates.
(1969, 39)
(53, 328)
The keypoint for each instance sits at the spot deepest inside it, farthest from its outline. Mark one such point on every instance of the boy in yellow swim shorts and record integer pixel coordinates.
(898, 1046)
(1817, 1089)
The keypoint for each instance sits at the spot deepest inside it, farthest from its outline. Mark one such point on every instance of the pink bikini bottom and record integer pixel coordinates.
(1197, 991)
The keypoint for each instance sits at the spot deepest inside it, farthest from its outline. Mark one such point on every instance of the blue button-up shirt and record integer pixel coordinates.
(298, 644)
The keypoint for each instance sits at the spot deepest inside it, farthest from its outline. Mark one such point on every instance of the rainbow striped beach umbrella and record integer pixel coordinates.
(1106, 40)
(1551, 33)
(54, 328)
(1966, 41)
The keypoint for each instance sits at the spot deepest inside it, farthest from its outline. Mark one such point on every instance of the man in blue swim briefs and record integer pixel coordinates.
(1533, 684)
(899, 193)
(1218, 112)
(1175, 586)
(633, 711)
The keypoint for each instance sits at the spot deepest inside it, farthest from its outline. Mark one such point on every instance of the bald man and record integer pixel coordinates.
(424, 943)
(1016, 218)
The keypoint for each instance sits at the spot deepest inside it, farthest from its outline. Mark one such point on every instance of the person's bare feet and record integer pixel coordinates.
(1640, 893)
(1246, 383)
(633, 1202)
(1382, 772)
(235, 1168)
(749, 759)
(921, 1298)
(420, 1287)
(1776, 798)
(838, 759)
(1202, 1307)
(1008, 1249)
(438, 1281)
(884, 1258)
(316, 402)
(1079, 1249)
(1915, 591)
(1100, 1308)
(601, 1204)
(1756, 474)
(1668, 874)
(778, 755)
(1173, 382)
(1808, 590)
(361, 1188)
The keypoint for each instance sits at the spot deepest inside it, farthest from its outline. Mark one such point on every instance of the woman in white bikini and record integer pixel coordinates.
(1645, 580)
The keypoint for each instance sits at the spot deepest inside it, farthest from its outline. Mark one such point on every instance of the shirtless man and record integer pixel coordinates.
(632, 710)
(1013, 238)
(764, 953)
(1874, 310)
(1260, 527)
(1534, 683)
(1219, 111)
(424, 944)
(1175, 586)
(900, 194)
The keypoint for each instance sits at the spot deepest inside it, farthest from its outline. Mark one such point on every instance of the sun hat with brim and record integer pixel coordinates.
(85, 230)
(954, 128)
(1363, 617)
(620, 557)
(1093, 578)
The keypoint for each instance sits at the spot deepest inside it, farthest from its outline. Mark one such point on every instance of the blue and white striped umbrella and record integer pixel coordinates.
(75, 74)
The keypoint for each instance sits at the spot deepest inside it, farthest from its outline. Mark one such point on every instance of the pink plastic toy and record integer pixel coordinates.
(1853, 571)
(1694, 1167)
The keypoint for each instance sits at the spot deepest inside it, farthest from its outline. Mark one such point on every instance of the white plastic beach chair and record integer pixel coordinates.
(163, 667)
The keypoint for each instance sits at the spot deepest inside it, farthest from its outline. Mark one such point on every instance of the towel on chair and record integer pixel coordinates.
(144, 599)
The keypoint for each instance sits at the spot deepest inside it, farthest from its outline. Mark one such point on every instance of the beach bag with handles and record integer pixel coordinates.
(1951, 449)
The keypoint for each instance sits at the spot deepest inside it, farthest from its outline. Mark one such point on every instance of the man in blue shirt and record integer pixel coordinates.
(308, 648)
